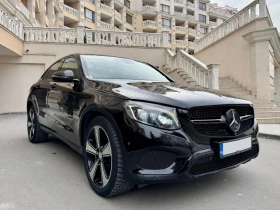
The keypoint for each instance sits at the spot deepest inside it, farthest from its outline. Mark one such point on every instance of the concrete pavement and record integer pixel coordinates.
(51, 176)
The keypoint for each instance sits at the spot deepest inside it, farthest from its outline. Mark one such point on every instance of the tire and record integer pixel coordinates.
(104, 167)
(35, 134)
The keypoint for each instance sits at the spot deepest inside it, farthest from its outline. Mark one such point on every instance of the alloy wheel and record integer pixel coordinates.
(99, 156)
(31, 124)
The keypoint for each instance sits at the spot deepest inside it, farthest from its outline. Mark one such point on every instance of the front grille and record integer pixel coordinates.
(213, 163)
(216, 112)
(156, 160)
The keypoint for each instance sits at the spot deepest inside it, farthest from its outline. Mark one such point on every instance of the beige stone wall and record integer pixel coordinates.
(9, 43)
(234, 54)
(15, 82)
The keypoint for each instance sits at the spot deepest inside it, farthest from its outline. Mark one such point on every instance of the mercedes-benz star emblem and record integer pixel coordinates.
(233, 120)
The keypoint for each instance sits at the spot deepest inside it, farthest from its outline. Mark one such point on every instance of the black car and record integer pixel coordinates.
(135, 125)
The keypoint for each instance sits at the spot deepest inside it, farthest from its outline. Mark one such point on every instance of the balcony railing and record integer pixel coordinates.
(213, 24)
(91, 1)
(148, 8)
(120, 1)
(191, 17)
(105, 7)
(35, 23)
(193, 31)
(181, 42)
(117, 29)
(220, 12)
(10, 23)
(110, 37)
(70, 10)
(179, 14)
(106, 25)
(180, 28)
(20, 6)
(118, 14)
(180, 1)
(149, 22)
(190, 4)
(191, 43)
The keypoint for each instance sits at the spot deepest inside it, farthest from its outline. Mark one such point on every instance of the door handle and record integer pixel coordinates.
(53, 85)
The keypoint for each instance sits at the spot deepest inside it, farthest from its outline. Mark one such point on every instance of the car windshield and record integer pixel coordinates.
(102, 67)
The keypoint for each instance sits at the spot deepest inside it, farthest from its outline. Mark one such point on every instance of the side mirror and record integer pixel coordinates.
(63, 76)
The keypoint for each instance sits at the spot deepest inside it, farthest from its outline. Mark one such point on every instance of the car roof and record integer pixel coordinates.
(109, 56)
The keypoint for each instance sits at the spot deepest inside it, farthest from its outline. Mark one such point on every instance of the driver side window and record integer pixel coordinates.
(71, 64)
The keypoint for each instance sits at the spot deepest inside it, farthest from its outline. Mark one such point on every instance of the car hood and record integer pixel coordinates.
(171, 94)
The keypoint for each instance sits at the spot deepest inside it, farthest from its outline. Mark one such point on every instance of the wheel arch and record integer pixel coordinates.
(88, 115)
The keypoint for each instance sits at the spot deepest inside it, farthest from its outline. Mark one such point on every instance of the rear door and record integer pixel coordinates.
(64, 102)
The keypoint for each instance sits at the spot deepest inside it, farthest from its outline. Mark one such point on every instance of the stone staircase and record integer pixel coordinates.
(266, 112)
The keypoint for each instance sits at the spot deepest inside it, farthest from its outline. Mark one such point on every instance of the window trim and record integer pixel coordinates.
(49, 69)
(78, 66)
(92, 13)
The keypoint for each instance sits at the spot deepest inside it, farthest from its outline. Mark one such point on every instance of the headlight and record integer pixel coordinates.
(152, 114)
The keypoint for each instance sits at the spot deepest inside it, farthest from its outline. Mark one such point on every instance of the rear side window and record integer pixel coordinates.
(54, 68)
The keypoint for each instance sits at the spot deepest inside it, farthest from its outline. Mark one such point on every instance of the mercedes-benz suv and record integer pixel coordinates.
(134, 125)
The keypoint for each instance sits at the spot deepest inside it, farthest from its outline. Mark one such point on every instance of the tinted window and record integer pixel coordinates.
(129, 19)
(54, 68)
(202, 6)
(71, 64)
(101, 67)
(202, 18)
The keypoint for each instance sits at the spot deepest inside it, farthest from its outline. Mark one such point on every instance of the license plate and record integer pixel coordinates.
(235, 147)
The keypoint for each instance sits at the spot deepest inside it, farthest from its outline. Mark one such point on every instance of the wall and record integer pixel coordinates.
(15, 81)
(233, 52)
(17, 74)
(10, 43)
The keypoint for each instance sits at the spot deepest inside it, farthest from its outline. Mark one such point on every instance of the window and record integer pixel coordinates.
(165, 9)
(71, 64)
(91, 1)
(120, 68)
(202, 18)
(203, 30)
(127, 3)
(166, 23)
(54, 68)
(129, 19)
(89, 15)
(202, 6)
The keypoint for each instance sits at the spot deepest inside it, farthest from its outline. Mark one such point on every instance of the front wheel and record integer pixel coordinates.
(103, 159)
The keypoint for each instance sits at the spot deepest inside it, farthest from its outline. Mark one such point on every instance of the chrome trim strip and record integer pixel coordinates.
(242, 118)
(246, 117)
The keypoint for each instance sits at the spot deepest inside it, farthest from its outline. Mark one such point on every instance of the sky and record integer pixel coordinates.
(273, 7)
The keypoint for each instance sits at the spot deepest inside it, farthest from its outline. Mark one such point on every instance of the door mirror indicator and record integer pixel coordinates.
(63, 76)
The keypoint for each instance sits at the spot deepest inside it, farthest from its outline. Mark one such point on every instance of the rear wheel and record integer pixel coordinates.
(35, 134)
(103, 159)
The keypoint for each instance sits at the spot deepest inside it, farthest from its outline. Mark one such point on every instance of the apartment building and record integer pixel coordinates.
(185, 20)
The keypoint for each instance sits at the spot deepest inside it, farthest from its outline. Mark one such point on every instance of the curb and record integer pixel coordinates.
(269, 136)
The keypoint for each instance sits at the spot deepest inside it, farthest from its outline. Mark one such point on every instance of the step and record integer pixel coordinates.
(269, 114)
(238, 92)
(268, 120)
(231, 88)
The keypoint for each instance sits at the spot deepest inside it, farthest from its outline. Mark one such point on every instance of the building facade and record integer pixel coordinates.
(185, 20)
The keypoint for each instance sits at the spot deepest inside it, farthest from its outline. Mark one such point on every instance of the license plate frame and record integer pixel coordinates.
(234, 147)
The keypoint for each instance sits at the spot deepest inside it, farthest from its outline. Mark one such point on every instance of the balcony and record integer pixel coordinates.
(181, 42)
(91, 1)
(105, 7)
(20, 6)
(192, 31)
(180, 15)
(149, 26)
(180, 30)
(117, 29)
(191, 5)
(118, 15)
(106, 25)
(191, 44)
(190, 17)
(213, 24)
(120, 1)
(180, 2)
(70, 10)
(149, 9)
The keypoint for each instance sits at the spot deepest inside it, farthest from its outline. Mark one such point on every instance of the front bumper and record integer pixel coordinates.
(172, 156)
